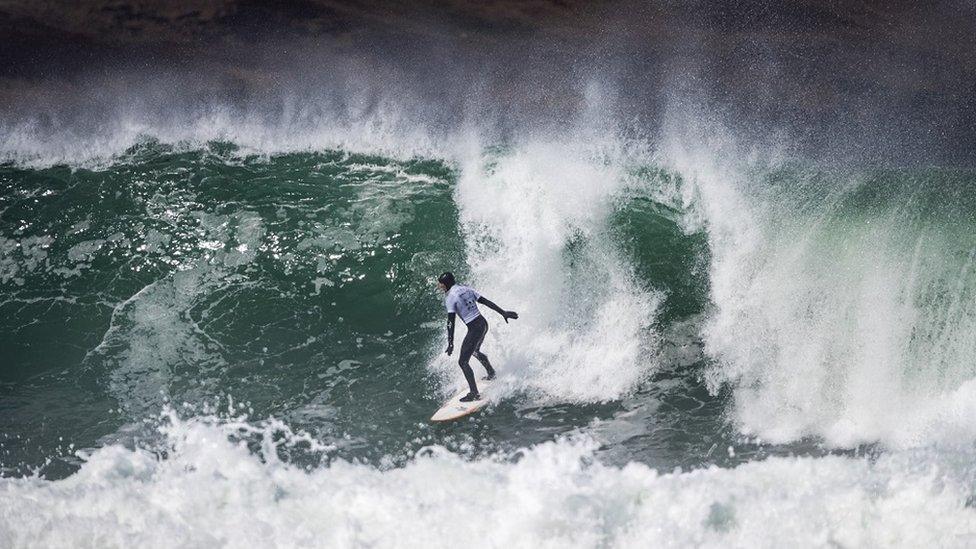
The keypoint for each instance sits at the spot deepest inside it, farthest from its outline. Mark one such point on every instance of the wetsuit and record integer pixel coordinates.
(463, 301)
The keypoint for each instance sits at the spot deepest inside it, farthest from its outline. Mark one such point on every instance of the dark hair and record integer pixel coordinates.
(447, 279)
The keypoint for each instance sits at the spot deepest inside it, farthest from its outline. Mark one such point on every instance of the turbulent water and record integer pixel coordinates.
(208, 342)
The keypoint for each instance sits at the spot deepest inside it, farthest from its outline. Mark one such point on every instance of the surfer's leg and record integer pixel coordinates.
(482, 357)
(467, 349)
(468, 375)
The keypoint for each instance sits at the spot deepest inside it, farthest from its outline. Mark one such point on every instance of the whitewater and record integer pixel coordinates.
(225, 332)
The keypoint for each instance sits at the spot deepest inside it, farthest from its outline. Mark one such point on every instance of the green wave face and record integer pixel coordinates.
(300, 284)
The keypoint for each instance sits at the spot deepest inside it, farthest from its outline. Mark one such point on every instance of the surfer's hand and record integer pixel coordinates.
(450, 349)
(510, 314)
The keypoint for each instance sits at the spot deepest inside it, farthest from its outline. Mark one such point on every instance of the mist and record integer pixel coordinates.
(891, 85)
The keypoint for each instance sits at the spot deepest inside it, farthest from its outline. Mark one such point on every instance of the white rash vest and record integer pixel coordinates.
(463, 301)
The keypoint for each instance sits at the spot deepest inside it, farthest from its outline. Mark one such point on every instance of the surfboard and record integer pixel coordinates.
(453, 408)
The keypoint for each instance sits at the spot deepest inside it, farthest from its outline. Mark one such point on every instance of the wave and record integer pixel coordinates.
(837, 304)
(831, 305)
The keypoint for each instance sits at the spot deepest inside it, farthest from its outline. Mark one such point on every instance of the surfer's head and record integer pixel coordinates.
(445, 281)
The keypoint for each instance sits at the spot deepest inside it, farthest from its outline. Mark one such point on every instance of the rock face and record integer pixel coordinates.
(899, 71)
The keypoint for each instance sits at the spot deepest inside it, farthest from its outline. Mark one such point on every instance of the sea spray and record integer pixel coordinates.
(535, 218)
(843, 299)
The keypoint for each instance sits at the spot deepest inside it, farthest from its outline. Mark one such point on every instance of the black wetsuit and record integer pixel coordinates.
(477, 329)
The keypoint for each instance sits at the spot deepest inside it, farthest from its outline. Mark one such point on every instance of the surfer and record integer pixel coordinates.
(462, 300)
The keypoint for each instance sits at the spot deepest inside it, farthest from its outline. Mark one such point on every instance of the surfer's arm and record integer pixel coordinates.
(450, 333)
(505, 314)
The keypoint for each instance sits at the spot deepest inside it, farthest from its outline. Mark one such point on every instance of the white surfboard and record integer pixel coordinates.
(455, 409)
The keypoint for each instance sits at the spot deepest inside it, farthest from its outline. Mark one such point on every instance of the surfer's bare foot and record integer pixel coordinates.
(490, 376)
(470, 397)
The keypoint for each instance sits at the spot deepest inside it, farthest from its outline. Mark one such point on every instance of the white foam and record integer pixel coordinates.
(212, 491)
(19, 258)
(851, 326)
(534, 219)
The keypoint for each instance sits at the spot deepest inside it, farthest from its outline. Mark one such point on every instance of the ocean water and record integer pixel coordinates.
(209, 340)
